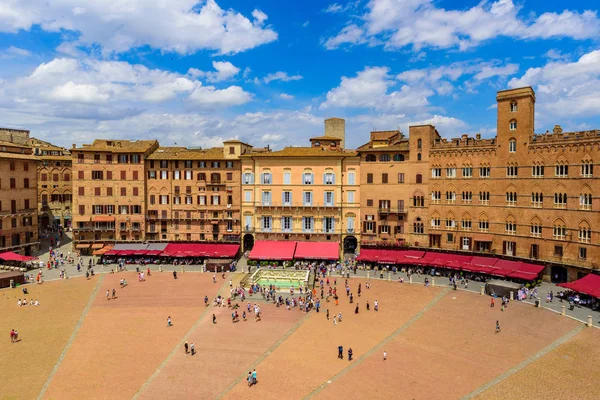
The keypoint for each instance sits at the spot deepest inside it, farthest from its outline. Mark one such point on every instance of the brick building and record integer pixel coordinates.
(303, 193)
(109, 188)
(18, 193)
(55, 186)
(194, 194)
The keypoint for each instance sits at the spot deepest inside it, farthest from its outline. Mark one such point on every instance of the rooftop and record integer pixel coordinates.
(119, 146)
(183, 153)
(11, 144)
(304, 152)
(326, 138)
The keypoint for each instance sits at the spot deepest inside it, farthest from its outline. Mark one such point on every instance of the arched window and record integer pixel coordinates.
(585, 232)
(384, 157)
(513, 106)
(512, 146)
(418, 226)
(559, 230)
(418, 156)
(419, 144)
(371, 158)
(398, 157)
(513, 125)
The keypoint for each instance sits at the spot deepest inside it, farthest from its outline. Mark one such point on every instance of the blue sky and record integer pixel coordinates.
(199, 72)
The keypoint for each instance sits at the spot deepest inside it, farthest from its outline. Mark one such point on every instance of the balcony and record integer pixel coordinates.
(392, 210)
(215, 182)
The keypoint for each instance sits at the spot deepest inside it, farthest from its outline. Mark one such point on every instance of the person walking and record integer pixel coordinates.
(249, 378)
(350, 354)
(328, 314)
(492, 303)
(214, 319)
(384, 355)
(169, 323)
(368, 305)
(356, 309)
(174, 274)
(376, 305)
(186, 346)
(254, 377)
(107, 294)
(192, 348)
(341, 352)
(114, 294)
(12, 336)
(497, 327)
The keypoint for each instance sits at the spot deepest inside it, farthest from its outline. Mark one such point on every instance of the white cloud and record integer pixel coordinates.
(182, 26)
(370, 89)
(286, 96)
(565, 89)
(14, 52)
(334, 8)
(421, 24)
(224, 70)
(279, 76)
(447, 126)
(209, 96)
(85, 93)
(489, 71)
(305, 24)
(270, 137)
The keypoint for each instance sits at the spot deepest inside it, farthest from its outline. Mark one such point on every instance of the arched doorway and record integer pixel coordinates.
(248, 242)
(45, 220)
(559, 274)
(350, 244)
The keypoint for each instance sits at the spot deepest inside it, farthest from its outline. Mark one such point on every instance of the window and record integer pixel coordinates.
(12, 165)
(97, 191)
(25, 166)
(436, 196)
(201, 164)
(451, 172)
(419, 144)
(512, 146)
(13, 183)
(248, 178)
(329, 178)
(512, 171)
(122, 159)
(466, 225)
(587, 169)
(585, 235)
(350, 224)
(537, 199)
(308, 178)
(26, 183)
(123, 191)
(176, 199)
(135, 191)
(400, 205)
(247, 195)
(558, 251)
(307, 198)
(67, 177)
(561, 170)
(369, 202)
(215, 200)
(97, 175)
(435, 222)
(467, 197)
(537, 171)
(329, 199)
(81, 191)
(351, 178)
(266, 178)
(328, 224)
(484, 225)
(418, 156)
(398, 157)
(560, 200)
(369, 178)
(266, 198)
(513, 106)
(215, 164)
(287, 198)
(350, 197)
(401, 177)
(307, 224)
(177, 175)
(384, 178)
(187, 175)
(371, 158)
(511, 228)
(484, 198)
(384, 229)
(484, 172)
(513, 125)
(229, 164)
(44, 177)
(582, 253)
(418, 201)
(384, 158)
(436, 172)
(536, 230)
(511, 198)
(467, 172)
(585, 201)
(123, 209)
(164, 174)
(202, 200)
(286, 223)
(287, 178)
(266, 224)
(450, 197)
(231, 150)
(418, 226)
(419, 178)
(81, 210)
(559, 231)
(384, 205)
(450, 223)
(164, 199)
(369, 226)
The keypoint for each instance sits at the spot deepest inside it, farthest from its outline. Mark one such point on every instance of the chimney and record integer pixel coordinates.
(336, 127)
(478, 136)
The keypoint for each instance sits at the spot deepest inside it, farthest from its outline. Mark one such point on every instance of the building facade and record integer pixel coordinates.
(55, 186)
(109, 201)
(303, 193)
(194, 194)
(18, 193)
(520, 194)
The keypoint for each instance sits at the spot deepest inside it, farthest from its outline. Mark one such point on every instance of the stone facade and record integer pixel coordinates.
(18, 194)
(193, 194)
(55, 184)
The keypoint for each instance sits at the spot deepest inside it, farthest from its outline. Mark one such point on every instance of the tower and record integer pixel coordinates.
(516, 113)
(336, 127)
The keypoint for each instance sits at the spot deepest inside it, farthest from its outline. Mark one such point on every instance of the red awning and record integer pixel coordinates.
(212, 250)
(482, 269)
(273, 250)
(317, 251)
(589, 284)
(531, 268)
(153, 252)
(526, 276)
(377, 255)
(126, 252)
(488, 261)
(11, 256)
(103, 218)
(112, 253)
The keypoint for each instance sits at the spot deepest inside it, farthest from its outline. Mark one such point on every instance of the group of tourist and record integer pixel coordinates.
(31, 303)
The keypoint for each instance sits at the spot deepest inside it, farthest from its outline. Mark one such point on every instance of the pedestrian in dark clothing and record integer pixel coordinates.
(497, 327)
(328, 314)
(174, 274)
(341, 352)
(350, 354)
(214, 319)
(185, 346)
(356, 309)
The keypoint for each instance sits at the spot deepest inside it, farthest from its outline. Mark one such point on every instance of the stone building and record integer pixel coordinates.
(303, 193)
(194, 194)
(394, 176)
(520, 194)
(55, 186)
(109, 189)
(18, 193)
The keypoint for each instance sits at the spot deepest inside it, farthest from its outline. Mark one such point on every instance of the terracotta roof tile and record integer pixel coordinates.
(305, 152)
(383, 135)
(18, 156)
(11, 144)
(120, 146)
(183, 153)
(325, 138)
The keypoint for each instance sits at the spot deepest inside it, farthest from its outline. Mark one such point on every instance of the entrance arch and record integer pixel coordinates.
(248, 242)
(559, 274)
(350, 244)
